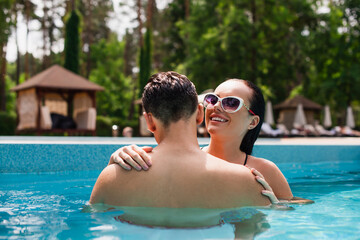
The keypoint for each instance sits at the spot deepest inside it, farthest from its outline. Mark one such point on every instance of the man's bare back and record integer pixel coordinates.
(180, 179)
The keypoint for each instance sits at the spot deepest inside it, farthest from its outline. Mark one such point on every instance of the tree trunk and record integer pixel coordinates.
(45, 32)
(187, 9)
(17, 75)
(149, 13)
(88, 38)
(140, 23)
(2, 77)
(27, 11)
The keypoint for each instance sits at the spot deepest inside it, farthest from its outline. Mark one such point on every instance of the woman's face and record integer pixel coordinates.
(220, 123)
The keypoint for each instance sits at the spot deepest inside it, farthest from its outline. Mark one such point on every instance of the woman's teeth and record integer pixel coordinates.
(218, 119)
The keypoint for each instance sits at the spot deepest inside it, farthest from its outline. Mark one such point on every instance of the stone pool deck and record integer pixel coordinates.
(151, 141)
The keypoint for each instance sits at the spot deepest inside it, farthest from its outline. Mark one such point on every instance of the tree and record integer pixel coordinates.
(115, 100)
(261, 41)
(145, 61)
(72, 43)
(335, 57)
(96, 14)
(5, 30)
(170, 41)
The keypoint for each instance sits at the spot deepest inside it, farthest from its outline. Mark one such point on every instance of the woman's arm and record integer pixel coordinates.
(273, 176)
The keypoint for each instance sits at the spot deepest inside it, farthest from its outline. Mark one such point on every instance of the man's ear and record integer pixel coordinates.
(150, 122)
(254, 122)
(200, 114)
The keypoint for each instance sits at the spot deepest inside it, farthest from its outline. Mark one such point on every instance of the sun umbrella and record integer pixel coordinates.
(327, 117)
(269, 117)
(300, 116)
(350, 121)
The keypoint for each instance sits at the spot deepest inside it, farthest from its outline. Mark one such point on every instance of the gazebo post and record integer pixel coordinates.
(93, 100)
(17, 113)
(38, 97)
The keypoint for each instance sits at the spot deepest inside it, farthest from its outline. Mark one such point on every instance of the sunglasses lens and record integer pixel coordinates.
(210, 99)
(230, 104)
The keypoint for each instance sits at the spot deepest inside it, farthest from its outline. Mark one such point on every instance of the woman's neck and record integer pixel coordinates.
(227, 149)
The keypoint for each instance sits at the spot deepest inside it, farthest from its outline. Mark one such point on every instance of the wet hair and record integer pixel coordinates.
(257, 105)
(170, 96)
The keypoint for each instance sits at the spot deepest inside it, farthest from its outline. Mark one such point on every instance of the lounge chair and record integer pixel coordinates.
(268, 131)
(298, 131)
(310, 130)
(323, 132)
(283, 129)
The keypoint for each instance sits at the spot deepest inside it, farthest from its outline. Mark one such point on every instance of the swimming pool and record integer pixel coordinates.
(45, 183)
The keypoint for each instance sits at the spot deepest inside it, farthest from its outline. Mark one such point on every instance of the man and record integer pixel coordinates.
(182, 176)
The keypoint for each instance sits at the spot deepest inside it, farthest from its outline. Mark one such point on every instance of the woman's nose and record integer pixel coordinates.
(217, 106)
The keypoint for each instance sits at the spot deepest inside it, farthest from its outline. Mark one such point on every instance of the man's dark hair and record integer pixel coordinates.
(169, 96)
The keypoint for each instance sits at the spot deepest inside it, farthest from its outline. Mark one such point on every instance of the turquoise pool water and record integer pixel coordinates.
(44, 187)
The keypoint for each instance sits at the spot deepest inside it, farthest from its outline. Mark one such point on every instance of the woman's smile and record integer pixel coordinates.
(218, 118)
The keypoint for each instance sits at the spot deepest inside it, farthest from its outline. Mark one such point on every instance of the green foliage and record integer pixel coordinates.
(334, 53)
(10, 96)
(5, 20)
(104, 125)
(115, 100)
(8, 123)
(258, 41)
(72, 43)
(173, 49)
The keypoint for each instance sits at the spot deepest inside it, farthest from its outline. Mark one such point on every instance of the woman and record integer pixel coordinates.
(233, 116)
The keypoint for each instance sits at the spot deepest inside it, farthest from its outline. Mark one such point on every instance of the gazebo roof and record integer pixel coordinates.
(294, 102)
(58, 77)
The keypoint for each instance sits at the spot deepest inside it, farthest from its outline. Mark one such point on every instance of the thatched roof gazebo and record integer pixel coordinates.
(287, 110)
(57, 100)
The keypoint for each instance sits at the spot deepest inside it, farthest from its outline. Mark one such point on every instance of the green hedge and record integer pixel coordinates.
(7, 123)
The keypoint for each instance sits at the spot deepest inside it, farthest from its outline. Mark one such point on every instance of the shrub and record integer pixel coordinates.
(7, 123)
(104, 125)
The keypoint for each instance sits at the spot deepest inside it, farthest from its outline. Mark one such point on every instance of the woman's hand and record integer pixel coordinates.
(268, 192)
(132, 157)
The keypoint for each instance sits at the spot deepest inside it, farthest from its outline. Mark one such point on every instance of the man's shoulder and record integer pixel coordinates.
(112, 172)
(229, 171)
(239, 182)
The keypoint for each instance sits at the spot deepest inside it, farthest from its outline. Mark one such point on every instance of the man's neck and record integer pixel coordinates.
(179, 135)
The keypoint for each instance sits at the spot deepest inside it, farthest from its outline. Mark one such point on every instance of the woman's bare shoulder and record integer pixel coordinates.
(261, 164)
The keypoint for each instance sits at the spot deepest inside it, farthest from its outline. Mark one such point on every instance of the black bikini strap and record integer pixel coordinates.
(245, 159)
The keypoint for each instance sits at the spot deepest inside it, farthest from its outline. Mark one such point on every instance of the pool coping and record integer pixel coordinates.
(347, 141)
